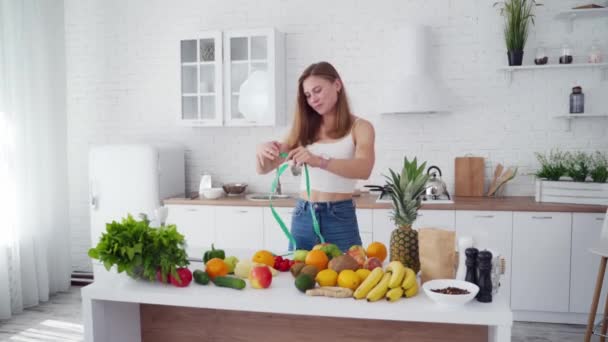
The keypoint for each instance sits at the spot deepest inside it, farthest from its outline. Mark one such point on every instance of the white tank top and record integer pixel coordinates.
(325, 181)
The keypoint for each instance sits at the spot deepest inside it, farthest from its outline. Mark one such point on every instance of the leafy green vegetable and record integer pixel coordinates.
(140, 250)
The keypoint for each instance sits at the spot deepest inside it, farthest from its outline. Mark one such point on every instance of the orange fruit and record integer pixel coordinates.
(317, 258)
(263, 257)
(376, 249)
(349, 279)
(216, 267)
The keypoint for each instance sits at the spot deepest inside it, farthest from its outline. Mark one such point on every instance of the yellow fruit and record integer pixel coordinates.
(363, 273)
(379, 290)
(412, 291)
(263, 257)
(369, 282)
(398, 270)
(395, 294)
(348, 279)
(376, 249)
(409, 279)
(327, 277)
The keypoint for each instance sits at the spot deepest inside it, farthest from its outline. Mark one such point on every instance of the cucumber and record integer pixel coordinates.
(231, 282)
(200, 277)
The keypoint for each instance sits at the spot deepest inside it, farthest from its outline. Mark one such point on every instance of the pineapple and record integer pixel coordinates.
(405, 189)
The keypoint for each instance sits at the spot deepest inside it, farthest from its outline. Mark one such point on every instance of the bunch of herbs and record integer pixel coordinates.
(577, 166)
(599, 167)
(552, 166)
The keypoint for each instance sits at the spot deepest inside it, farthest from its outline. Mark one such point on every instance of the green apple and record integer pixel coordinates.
(231, 262)
(300, 255)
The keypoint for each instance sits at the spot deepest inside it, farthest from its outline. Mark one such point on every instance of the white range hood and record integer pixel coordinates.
(416, 90)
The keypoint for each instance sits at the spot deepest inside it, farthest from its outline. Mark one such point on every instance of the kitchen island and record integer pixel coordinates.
(117, 308)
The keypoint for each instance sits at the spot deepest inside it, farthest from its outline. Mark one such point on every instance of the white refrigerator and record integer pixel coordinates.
(131, 179)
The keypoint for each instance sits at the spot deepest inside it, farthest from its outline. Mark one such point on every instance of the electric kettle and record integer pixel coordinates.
(435, 187)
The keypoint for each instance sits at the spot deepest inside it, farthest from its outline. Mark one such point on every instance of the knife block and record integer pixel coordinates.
(469, 176)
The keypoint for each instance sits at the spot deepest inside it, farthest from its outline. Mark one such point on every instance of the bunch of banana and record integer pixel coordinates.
(398, 271)
(369, 283)
(409, 284)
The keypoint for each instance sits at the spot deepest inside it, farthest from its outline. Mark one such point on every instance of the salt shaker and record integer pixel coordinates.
(577, 100)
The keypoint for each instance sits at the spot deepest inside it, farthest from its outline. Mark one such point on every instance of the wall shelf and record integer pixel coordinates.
(570, 117)
(510, 69)
(573, 14)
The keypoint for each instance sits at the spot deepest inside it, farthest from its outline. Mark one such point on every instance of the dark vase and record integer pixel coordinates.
(515, 57)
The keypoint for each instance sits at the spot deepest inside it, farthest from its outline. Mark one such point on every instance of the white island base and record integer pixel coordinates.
(117, 308)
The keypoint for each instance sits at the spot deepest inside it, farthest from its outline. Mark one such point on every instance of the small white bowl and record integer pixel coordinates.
(213, 193)
(450, 299)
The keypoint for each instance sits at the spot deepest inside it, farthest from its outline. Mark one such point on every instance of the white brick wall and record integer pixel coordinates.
(123, 84)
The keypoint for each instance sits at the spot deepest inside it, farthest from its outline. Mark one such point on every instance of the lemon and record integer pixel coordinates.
(327, 277)
(349, 279)
(363, 273)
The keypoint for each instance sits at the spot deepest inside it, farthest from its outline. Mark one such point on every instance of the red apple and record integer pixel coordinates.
(358, 253)
(260, 277)
(372, 263)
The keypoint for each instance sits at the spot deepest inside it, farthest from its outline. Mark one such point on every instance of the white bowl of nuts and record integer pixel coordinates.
(450, 291)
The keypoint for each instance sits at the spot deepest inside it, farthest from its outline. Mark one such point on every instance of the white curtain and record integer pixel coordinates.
(34, 228)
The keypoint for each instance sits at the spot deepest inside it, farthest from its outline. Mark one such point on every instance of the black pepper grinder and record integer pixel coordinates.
(485, 279)
(471, 264)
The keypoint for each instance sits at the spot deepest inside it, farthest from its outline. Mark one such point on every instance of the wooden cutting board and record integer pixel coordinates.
(469, 176)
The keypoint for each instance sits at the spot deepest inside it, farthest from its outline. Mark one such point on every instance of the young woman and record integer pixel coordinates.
(338, 148)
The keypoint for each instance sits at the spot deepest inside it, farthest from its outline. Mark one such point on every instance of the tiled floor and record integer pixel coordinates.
(59, 320)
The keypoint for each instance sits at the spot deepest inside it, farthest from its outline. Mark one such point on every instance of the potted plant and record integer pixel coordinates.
(552, 166)
(405, 189)
(141, 251)
(599, 167)
(552, 187)
(518, 15)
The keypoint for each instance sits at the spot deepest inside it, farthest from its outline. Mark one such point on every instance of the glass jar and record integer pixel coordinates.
(566, 55)
(595, 55)
(541, 56)
(577, 101)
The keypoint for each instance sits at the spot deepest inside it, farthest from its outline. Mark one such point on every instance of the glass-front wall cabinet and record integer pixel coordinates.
(254, 77)
(233, 78)
(201, 80)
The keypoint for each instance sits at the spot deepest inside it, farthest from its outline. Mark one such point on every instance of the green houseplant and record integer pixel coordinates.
(552, 166)
(140, 250)
(577, 166)
(599, 167)
(406, 188)
(518, 15)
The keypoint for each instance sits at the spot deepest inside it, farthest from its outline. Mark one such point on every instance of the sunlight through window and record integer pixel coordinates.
(51, 330)
(7, 180)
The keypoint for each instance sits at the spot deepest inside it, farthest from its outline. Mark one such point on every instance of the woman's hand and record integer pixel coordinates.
(268, 151)
(300, 155)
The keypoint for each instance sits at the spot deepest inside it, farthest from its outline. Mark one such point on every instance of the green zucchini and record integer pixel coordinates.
(201, 277)
(231, 282)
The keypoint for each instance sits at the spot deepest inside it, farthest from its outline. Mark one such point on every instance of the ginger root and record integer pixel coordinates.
(330, 291)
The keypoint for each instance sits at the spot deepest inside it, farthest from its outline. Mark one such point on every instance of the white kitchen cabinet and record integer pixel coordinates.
(239, 227)
(254, 76)
(366, 226)
(201, 80)
(492, 230)
(274, 238)
(586, 230)
(383, 226)
(196, 223)
(443, 219)
(541, 261)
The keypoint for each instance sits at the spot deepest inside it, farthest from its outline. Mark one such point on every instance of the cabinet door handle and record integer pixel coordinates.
(191, 209)
(542, 217)
(420, 215)
(290, 212)
(484, 216)
(242, 211)
(599, 219)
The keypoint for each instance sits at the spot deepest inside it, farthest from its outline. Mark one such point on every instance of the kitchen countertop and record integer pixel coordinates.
(368, 201)
(281, 298)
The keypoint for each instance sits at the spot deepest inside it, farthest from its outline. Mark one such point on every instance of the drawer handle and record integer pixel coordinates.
(599, 219)
(542, 217)
(290, 212)
(191, 209)
(242, 211)
(420, 215)
(484, 216)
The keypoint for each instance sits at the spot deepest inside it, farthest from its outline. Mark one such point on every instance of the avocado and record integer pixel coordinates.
(304, 282)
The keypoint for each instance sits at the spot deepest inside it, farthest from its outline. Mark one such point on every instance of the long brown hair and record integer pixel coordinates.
(307, 122)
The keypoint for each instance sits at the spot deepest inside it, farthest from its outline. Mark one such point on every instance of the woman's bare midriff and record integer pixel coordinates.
(319, 196)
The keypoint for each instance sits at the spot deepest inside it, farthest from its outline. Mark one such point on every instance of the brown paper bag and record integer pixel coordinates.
(437, 254)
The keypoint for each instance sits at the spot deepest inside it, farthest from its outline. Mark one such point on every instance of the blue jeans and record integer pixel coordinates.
(337, 222)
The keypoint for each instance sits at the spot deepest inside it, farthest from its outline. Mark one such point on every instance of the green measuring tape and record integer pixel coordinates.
(315, 223)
